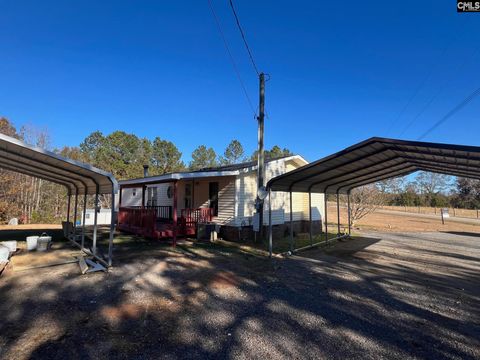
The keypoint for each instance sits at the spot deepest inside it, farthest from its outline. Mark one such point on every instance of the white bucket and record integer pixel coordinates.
(43, 243)
(4, 253)
(32, 242)
(11, 245)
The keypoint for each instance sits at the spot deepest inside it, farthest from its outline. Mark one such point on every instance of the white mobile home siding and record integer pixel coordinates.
(246, 190)
(226, 197)
(131, 197)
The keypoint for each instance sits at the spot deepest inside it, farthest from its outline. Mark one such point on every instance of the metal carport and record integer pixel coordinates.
(370, 161)
(77, 177)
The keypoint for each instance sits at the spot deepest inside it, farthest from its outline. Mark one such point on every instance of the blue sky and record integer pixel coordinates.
(340, 72)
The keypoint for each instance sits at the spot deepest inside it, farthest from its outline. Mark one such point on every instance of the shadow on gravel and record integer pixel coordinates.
(210, 302)
(464, 233)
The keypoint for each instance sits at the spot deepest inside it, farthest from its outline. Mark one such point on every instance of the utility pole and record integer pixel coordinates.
(261, 153)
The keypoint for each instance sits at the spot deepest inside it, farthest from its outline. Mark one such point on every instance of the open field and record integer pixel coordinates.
(384, 295)
(467, 213)
(383, 220)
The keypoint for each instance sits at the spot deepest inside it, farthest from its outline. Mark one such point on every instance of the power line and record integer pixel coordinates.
(244, 38)
(440, 90)
(420, 112)
(414, 95)
(234, 64)
(452, 112)
(422, 84)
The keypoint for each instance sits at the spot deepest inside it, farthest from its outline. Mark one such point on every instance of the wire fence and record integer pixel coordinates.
(455, 212)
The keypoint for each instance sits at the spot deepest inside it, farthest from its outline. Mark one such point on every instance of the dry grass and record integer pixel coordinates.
(474, 214)
(31, 227)
(399, 223)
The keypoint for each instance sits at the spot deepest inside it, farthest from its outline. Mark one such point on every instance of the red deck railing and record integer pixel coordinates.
(137, 218)
(194, 216)
(164, 212)
(143, 221)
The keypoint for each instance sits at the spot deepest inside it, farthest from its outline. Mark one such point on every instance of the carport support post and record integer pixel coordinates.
(270, 235)
(338, 214)
(95, 216)
(83, 218)
(75, 214)
(291, 222)
(310, 216)
(174, 214)
(326, 213)
(112, 228)
(68, 208)
(348, 214)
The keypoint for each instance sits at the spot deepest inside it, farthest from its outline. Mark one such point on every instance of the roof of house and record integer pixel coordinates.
(224, 170)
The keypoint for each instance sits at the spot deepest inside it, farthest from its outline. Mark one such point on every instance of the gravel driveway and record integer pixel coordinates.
(382, 296)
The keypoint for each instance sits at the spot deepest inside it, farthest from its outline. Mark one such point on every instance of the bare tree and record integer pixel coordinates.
(393, 186)
(365, 200)
(430, 184)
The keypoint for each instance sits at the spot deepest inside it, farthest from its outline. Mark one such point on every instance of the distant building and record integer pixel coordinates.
(103, 217)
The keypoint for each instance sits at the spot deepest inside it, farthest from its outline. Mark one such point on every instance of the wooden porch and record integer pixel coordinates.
(160, 222)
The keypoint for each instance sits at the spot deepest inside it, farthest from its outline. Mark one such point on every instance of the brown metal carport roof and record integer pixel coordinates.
(77, 177)
(17, 156)
(378, 159)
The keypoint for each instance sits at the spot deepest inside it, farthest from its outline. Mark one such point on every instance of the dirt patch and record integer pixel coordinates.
(387, 295)
(224, 279)
(122, 312)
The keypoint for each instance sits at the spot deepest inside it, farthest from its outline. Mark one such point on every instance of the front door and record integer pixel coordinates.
(188, 196)
(213, 197)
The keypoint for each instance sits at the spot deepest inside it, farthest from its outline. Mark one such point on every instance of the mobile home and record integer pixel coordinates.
(173, 204)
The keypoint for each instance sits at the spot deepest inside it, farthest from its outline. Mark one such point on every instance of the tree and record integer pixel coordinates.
(364, 201)
(7, 128)
(408, 197)
(72, 152)
(165, 157)
(91, 146)
(467, 193)
(9, 207)
(203, 157)
(274, 153)
(119, 153)
(233, 153)
(393, 186)
(429, 184)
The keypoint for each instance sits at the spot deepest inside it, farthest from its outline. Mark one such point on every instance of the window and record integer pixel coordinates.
(152, 196)
(87, 216)
(170, 192)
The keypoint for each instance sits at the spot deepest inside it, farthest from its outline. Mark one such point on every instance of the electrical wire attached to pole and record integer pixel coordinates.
(232, 60)
(244, 39)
